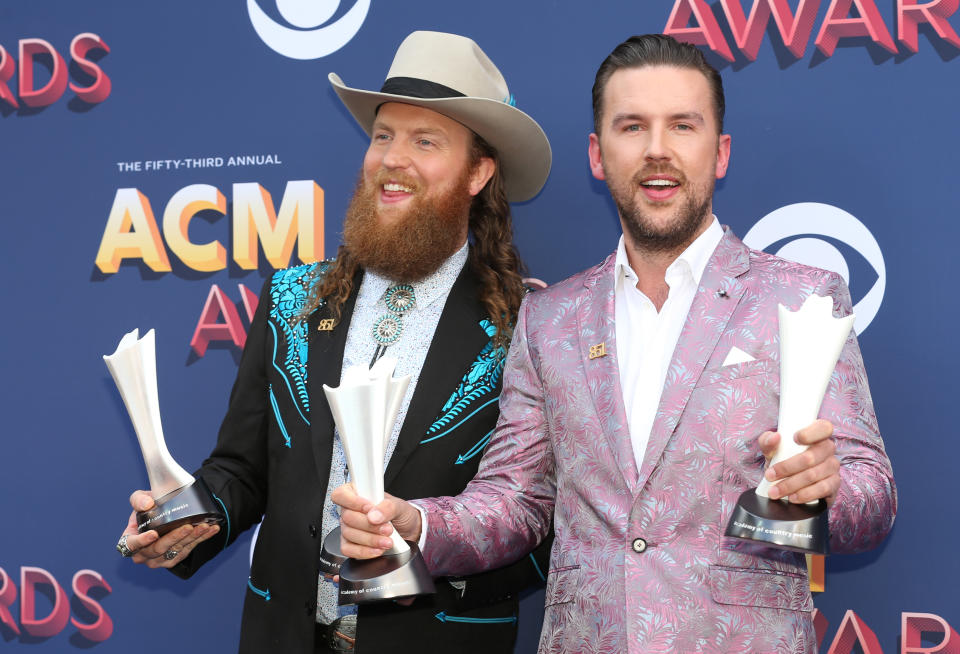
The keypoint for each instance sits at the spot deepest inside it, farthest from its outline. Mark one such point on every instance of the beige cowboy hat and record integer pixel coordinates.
(451, 75)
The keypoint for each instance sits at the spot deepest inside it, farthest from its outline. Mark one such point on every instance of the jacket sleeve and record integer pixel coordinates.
(236, 470)
(506, 510)
(866, 502)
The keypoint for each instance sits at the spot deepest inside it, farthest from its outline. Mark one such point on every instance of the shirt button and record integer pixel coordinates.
(313, 530)
(639, 545)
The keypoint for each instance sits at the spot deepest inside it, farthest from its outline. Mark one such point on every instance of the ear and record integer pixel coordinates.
(723, 155)
(481, 174)
(596, 161)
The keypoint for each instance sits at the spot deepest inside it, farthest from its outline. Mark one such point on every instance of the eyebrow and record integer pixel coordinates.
(692, 116)
(419, 131)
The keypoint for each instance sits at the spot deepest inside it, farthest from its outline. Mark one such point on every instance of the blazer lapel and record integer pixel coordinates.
(718, 295)
(597, 338)
(324, 361)
(456, 342)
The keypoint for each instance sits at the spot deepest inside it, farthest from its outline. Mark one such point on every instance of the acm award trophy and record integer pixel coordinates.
(365, 408)
(178, 498)
(810, 343)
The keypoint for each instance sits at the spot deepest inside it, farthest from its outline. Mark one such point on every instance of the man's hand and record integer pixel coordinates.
(148, 548)
(810, 475)
(365, 529)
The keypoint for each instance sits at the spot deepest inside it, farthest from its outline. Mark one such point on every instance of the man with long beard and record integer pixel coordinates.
(428, 274)
(640, 399)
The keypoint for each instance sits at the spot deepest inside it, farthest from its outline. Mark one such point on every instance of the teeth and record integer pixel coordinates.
(397, 187)
(659, 182)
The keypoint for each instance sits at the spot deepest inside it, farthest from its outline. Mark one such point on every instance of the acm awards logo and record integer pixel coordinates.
(134, 235)
(37, 621)
(310, 34)
(812, 222)
(694, 21)
(85, 51)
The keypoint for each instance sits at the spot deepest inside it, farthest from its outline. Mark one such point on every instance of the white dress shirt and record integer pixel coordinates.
(647, 338)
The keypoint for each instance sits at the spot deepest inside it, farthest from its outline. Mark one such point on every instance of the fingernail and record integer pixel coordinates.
(385, 543)
(144, 504)
(375, 516)
(774, 493)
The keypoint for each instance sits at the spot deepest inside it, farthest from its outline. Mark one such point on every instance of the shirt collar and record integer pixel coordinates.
(430, 288)
(693, 260)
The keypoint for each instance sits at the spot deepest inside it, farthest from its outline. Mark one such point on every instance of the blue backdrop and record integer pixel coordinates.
(141, 116)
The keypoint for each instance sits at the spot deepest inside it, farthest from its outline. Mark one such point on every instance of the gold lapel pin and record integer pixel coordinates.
(597, 351)
(325, 325)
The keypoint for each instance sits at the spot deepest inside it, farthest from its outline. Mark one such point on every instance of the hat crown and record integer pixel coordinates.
(451, 60)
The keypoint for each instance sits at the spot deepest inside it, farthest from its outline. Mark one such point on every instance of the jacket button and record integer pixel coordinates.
(639, 545)
(313, 530)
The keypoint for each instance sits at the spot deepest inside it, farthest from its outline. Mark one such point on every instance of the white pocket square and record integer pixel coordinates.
(735, 356)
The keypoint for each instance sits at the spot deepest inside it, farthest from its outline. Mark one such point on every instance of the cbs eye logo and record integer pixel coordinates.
(309, 35)
(812, 233)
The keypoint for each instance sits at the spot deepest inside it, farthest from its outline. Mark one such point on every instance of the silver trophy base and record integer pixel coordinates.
(331, 558)
(779, 523)
(387, 577)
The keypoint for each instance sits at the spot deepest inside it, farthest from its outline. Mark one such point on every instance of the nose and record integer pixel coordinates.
(657, 146)
(396, 155)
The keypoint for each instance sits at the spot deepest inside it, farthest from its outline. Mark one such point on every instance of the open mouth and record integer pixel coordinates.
(659, 188)
(395, 192)
(659, 183)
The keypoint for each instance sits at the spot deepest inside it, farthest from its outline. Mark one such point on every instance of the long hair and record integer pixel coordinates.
(493, 259)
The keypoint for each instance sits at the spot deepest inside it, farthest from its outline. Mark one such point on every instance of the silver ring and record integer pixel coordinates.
(125, 551)
(171, 554)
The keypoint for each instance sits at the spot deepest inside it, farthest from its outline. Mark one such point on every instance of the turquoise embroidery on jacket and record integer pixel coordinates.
(475, 450)
(227, 514)
(283, 376)
(265, 594)
(276, 412)
(480, 381)
(536, 566)
(461, 421)
(443, 617)
(288, 294)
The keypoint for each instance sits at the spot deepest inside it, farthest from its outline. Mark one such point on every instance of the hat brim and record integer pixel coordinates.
(521, 143)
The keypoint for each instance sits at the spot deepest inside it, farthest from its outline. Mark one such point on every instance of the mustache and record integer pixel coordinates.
(381, 177)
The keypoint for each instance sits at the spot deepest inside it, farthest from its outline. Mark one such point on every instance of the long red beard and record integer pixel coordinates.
(413, 245)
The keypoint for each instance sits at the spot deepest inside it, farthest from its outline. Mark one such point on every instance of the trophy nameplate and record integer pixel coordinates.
(331, 557)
